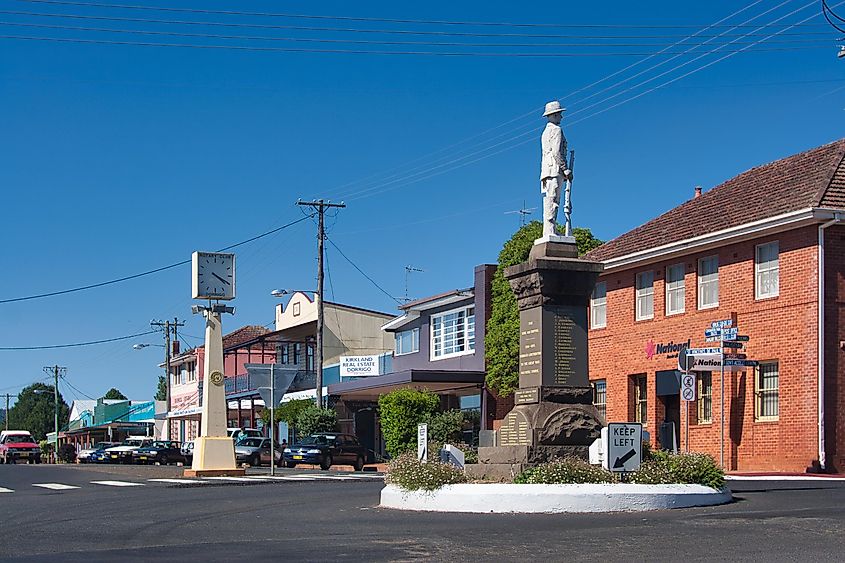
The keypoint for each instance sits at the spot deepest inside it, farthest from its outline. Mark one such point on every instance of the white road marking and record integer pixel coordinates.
(235, 479)
(180, 481)
(2, 490)
(117, 483)
(54, 486)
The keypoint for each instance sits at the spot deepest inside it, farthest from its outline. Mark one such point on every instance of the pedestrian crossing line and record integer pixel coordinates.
(180, 481)
(54, 486)
(4, 490)
(117, 483)
(234, 479)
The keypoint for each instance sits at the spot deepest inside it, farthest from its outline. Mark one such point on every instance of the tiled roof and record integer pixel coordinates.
(243, 334)
(814, 178)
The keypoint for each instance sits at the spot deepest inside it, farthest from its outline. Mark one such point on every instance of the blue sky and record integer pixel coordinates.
(117, 159)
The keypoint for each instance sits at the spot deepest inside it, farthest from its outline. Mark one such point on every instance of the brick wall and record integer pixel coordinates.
(782, 328)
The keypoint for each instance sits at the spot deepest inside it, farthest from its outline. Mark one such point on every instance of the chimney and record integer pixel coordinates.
(175, 345)
(697, 192)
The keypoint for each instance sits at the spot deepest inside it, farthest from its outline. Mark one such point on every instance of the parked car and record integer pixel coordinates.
(161, 451)
(237, 434)
(123, 452)
(256, 451)
(84, 456)
(327, 450)
(188, 452)
(18, 445)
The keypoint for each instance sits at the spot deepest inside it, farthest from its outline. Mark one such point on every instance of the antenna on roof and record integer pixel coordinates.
(523, 213)
(408, 270)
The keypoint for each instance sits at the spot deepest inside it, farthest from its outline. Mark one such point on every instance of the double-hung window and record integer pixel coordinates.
(453, 333)
(675, 292)
(408, 341)
(598, 306)
(645, 296)
(708, 282)
(640, 398)
(767, 376)
(766, 270)
(600, 396)
(705, 397)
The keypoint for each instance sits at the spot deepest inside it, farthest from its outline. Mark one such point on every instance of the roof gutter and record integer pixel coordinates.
(837, 218)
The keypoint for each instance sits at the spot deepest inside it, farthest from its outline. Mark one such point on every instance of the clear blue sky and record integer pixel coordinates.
(115, 159)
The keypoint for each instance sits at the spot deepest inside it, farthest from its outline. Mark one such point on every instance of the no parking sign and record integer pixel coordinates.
(688, 386)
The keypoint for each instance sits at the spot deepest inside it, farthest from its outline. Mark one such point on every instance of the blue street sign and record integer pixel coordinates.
(729, 334)
(742, 363)
(726, 323)
(695, 351)
(711, 332)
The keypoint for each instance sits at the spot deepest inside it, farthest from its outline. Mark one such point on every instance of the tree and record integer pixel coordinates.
(34, 410)
(501, 341)
(288, 412)
(399, 412)
(445, 427)
(115, 393)
(313, 420)
(161, 390)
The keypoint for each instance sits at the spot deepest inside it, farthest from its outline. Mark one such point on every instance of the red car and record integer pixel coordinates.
(18, 445)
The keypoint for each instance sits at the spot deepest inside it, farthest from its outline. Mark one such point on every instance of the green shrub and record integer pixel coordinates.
(446, 426)
(313, 419)
(565, 471)
(67, 453)
(686, 468)
(410, 474)
(400, 412)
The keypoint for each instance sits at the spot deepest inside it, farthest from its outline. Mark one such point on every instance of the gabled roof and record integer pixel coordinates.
(243, 334)
(811, 179)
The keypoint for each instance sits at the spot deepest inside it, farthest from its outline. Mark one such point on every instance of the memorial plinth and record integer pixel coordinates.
(553, 415)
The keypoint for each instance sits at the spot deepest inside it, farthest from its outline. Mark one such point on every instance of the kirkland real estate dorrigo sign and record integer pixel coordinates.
(358, 366)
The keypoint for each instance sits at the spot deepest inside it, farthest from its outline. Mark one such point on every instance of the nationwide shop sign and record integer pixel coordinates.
(359, 366)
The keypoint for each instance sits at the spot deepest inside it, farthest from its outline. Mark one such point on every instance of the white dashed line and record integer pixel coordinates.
(234, 479)
(54, 486)
(2, 490)
(117, 483)
(179, 481)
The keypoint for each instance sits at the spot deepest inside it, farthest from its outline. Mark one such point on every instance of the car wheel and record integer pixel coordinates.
(164, 460)
(327, 462)
(255, 461)
(359, 463)
(290, 464)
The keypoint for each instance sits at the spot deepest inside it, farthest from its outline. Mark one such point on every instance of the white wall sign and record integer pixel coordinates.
(688, 386)
(357, 366)
(422, 442)
(624, 446)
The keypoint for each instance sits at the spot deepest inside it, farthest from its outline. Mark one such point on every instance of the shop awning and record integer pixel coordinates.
(459, 382)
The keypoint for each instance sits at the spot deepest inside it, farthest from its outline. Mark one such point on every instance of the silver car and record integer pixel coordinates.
(256, 452)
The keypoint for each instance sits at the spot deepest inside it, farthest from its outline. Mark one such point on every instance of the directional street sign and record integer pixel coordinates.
(688, 387)
(711, 332)
(624, 446)
(729, 333)
(697, 351)
(713, 339)
(735, 356)
(727, 323)
(740, 338)
(732, 344)
(742, 363)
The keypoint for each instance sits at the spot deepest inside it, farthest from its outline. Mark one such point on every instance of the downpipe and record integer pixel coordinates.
(821, 337)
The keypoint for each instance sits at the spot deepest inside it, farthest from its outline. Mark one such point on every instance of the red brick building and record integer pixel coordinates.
(750, 249)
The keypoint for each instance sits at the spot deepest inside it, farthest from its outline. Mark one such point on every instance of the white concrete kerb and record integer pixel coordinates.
(506, 498)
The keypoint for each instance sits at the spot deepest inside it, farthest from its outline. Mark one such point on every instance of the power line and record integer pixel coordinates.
(148, 272)
(360, 271)
(363, 19)
(76, 345)
(69, 384)
(385, 31)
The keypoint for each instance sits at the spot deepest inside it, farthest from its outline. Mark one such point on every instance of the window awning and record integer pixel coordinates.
(461, 382)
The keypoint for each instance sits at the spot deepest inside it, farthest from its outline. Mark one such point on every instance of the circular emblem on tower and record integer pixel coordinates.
(216, 378)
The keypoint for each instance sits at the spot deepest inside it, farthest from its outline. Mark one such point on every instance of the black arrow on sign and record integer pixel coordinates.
(620, 461)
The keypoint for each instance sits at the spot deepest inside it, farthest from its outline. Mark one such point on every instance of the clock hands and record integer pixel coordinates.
(221, 279)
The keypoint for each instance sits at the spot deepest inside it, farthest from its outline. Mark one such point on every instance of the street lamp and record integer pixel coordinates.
(318, 353)
(144, 345)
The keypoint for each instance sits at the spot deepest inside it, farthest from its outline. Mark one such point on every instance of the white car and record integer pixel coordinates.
(84, 456)
(123, 452)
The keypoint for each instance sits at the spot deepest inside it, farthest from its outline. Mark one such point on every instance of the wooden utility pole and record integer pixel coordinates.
(167, 326)
(320, 206)
(6, 412)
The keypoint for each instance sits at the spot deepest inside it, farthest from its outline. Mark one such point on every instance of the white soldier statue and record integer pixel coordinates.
(554, 172)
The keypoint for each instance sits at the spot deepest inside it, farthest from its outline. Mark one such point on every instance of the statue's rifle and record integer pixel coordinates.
(567, 200)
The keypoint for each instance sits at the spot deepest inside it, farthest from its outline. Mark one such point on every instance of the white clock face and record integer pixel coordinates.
(214, 275)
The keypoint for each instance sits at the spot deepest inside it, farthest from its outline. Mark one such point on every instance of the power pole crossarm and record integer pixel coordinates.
(320, 206)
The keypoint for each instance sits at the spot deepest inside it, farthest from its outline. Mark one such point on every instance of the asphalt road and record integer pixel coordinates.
(322, 519)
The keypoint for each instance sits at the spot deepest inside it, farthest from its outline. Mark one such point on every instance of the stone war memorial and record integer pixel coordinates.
(553, 415)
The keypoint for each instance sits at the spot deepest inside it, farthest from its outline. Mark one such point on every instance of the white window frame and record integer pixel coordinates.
(763, 393)
(468, 336)
(601, 406)
(679, 289)
(701, 283)
(415, 342)
(598, 304)
(705, 399)
(642, 293)
(761, 269)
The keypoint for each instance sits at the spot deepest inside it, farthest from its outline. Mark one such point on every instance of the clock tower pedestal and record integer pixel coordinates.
(214, 451)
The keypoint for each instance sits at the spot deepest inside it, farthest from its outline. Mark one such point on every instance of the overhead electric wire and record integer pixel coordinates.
(69, 384)
(361, 41)
(240, 25)
(75, 345)
(146, 273)
(360, 271)
(827, 12)
(357, 18)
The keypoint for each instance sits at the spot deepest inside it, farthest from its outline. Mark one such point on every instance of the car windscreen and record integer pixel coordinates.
(132, 443)
(18, 439)
(104, 445)
(160, 445)
(318, 440)
(251, 442)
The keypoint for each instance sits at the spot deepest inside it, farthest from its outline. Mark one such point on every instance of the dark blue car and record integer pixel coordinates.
(326, 450)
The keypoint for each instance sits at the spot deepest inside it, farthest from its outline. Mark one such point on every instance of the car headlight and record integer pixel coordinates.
(313, 451)
(287, 450)
(152, 452)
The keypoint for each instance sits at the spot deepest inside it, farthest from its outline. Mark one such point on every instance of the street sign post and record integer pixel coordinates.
(422, 442)
(624, 446)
